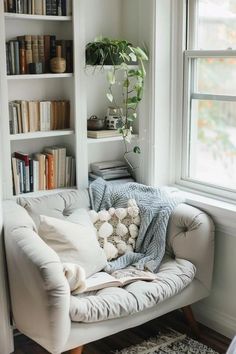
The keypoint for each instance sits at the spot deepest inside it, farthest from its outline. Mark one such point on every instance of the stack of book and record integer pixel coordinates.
(110, 170)
(33, 116)
(99, 134)
(39, 7)
(31, 54)
(43, 171)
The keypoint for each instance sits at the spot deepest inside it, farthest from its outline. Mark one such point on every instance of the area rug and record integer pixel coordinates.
(169, 342)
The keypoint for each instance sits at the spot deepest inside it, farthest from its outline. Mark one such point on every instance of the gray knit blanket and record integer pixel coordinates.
(155, 204)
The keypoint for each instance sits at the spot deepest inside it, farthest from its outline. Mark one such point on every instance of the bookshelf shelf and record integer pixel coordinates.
(13, 16)
(39, 76)
(41, 135)
(43, 192)
(107, 140)
(101, 68)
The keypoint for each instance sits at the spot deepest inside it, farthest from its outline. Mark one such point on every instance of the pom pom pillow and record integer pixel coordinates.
(117, 229)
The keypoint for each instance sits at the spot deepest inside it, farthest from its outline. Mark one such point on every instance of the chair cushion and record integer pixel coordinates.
(57, 205)
(74, 243)
(114, 302)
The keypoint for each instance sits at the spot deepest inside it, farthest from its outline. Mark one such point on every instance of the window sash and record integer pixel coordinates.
(190, 94)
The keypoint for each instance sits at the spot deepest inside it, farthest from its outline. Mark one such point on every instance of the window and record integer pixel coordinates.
(209, 148)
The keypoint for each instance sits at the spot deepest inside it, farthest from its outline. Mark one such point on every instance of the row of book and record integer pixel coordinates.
(31, 54)
(33, 116)
(43, 171)
(109, 170)
(39, 7)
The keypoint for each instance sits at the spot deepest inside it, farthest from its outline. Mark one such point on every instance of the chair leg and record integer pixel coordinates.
(189, 316)
(77, 350)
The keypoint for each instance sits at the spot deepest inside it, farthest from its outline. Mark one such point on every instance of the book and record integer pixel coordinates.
(28, 51)
(8, 58)
(50, 171)
(97, 166)
(12, 58)
(54, 7)
(118, 278)
(38, 7)
(26, 172)
(41, 51)
(98, 134)
(25, 116)
(16, 176)
(22, 54)
(35, 49)
(41, 158)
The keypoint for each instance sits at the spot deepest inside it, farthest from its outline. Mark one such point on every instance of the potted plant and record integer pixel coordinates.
(122, 55)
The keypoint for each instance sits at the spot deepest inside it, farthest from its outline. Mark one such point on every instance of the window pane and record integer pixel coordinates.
(216, 24)
(216, 76)
(213, 143)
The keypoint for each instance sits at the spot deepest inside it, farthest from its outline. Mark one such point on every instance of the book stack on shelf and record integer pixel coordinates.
(99, 134)
(33, 116)
(31, 54)
(110, 171)
(39, 7)
(44, 171)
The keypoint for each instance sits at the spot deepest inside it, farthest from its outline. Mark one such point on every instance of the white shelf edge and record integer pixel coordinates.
(43, 192)
(38, 76)
(41, 135)
(14, 16)
(107, 140)
(102, 68)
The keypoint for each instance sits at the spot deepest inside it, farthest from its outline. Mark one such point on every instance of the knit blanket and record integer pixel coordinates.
(155, 204)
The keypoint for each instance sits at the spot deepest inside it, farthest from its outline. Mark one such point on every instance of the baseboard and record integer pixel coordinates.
(215, 319)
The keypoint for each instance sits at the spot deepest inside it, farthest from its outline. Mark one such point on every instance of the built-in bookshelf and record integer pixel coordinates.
(83, 88)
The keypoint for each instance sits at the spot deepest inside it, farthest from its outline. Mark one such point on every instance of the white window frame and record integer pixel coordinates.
(183, 100)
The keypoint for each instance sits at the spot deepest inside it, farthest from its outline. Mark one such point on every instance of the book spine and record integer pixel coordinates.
(28, 51)
(50, 175)
(31, 175)
(8, 59)
(42, 116)
(29, 7)
(6, 6)
(54, 7)
(41, 51)
(48, 115)
(19, 6)
(59, 7)
(52, 46)
(48, 7)
(25, 7)
(69, 56)
(68, 170)
(32, 117)
(67, 115)
(35, 49)
(35, 176)
(22, 52)
(17, 57)
(12, 58)
(32, 7)
(47, 53)
(11, 124)
(15, 175)
(73, 173)
(11, 6)
(68, 7)
(38, 7)
(44, 7)
(63, 7)
(25, 116)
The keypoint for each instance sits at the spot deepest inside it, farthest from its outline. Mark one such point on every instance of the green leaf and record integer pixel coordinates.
(133, 56)
(126, 83)
(111, 77)
(140, 53)
(110, 97)
(137, 150)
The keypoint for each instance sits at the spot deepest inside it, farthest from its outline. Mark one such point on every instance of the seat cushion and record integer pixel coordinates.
(114, 302)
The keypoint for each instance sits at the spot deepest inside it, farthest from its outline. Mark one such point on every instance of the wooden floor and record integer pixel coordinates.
(133, 336)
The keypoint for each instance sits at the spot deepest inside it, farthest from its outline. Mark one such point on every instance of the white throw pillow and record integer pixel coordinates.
(80, 216)
(74, 243)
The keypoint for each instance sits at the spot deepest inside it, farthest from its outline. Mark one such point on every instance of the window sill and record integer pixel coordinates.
(222, 212)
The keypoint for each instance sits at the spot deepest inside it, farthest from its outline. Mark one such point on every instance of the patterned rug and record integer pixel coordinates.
(169, 342)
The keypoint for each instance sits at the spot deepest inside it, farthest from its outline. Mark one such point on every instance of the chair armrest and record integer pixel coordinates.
(40, 294)
(191, 236)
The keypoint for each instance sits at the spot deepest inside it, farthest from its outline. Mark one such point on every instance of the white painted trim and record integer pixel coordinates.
(219, 321)
(212, 97)
(210, 53)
